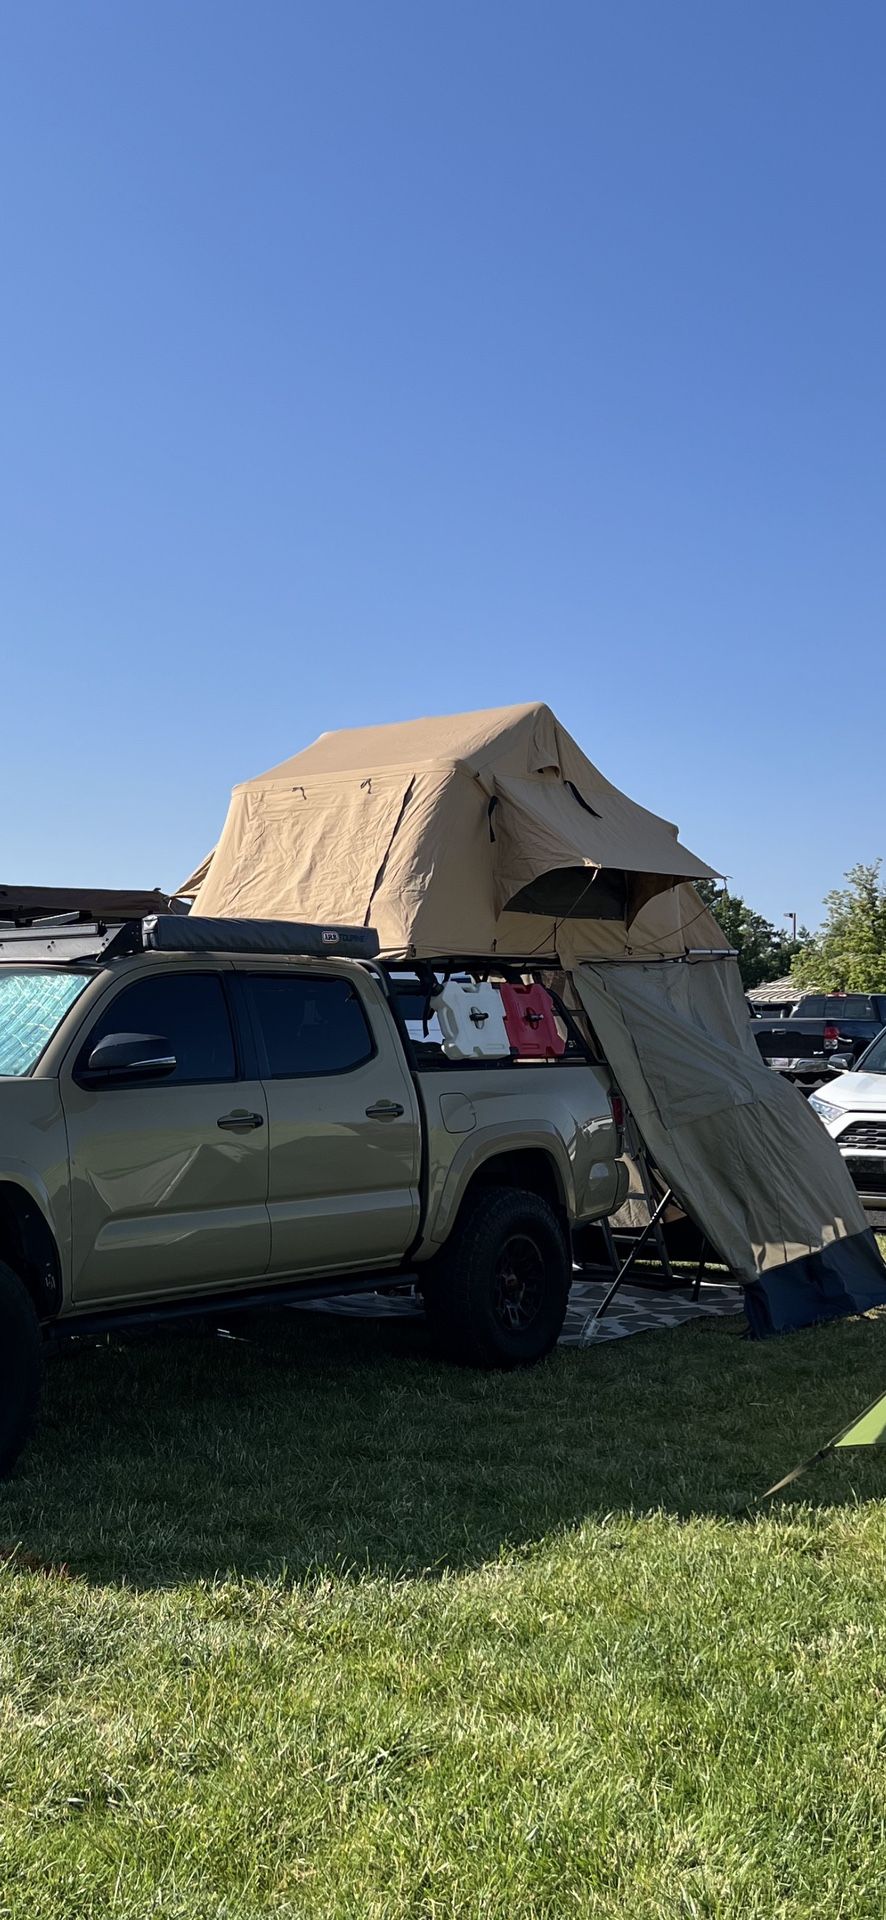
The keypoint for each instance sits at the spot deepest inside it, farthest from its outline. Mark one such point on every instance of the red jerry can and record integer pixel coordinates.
(530, 1023)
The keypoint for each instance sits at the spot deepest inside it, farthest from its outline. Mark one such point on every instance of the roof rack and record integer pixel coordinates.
(99, 906)
(191, 933)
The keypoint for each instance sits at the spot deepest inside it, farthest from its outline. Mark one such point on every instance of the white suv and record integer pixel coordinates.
(853, 1108)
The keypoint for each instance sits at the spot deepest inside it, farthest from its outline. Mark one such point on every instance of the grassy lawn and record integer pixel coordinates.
(326, 1630)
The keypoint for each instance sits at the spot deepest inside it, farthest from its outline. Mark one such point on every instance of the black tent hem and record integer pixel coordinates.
(849, 1276)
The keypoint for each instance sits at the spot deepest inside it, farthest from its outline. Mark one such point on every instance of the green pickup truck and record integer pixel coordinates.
(220, 1113)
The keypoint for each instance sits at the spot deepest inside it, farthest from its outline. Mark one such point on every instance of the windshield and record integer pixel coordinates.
(32, 1005)
(874, 1059)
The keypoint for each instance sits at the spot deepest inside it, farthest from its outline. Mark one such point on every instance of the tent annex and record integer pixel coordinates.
(491, 834)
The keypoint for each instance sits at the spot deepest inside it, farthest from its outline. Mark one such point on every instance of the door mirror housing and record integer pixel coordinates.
(130, 1056)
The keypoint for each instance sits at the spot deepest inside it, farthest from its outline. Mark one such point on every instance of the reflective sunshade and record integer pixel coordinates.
(32, 1006)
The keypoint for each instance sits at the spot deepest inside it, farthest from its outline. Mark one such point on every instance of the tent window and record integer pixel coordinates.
(574, 893)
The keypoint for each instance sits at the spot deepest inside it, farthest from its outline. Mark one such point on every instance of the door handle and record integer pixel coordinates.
(240, 1121)
(385, 1110)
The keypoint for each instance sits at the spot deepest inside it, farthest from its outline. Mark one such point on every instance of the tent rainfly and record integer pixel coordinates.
(491, 835)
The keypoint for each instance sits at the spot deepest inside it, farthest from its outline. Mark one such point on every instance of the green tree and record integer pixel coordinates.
(848, 955)
(763, 952)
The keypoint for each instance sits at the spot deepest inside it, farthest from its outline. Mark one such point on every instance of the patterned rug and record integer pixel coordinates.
(641, 1309)
(634, 1309)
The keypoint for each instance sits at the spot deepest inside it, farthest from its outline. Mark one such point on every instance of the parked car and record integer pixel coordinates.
(227, 1112)
(853, 1109)
(822, 1034)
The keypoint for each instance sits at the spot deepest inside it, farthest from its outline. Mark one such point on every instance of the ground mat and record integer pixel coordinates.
(636, 1309)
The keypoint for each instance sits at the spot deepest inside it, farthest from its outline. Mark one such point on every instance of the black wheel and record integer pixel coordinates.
(497, 1293)
(21, 1367)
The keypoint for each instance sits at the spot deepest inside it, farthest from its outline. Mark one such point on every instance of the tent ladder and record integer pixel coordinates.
(655, 1213)
(704, 1250)
(652, 1225)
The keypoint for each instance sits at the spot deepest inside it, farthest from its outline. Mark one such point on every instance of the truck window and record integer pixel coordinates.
(309, 1026)
(32, 1006)
(187, 1009)
(422, 1026)
(849, 1006)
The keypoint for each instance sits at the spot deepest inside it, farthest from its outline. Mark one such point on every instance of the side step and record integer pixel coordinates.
(215, 1305)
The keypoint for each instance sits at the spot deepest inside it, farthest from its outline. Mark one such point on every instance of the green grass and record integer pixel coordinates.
(342, 1633)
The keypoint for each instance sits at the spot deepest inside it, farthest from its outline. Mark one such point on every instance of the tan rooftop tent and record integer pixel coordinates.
(474, 834)
(490, 834)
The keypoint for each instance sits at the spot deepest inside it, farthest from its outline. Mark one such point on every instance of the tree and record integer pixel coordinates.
(848, 955)
(763, 952)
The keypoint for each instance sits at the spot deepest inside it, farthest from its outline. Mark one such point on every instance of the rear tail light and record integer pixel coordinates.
(831, 1036)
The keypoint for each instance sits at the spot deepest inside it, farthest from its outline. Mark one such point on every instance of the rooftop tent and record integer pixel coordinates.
(473, 834)
(491, 834)
(191, 887)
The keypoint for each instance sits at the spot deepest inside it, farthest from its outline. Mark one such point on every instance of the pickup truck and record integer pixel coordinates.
(824, 1033)
(210, 1114)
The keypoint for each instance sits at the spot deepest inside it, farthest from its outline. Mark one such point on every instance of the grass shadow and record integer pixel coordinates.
(314, 1444)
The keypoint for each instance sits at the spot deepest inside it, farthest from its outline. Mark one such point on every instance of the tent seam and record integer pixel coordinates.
(386, 855)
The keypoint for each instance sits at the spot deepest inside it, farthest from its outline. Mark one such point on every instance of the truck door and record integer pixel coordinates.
(169, 1175)
(345, 1129)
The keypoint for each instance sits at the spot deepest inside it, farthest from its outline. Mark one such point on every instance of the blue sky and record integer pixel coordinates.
(369, 360)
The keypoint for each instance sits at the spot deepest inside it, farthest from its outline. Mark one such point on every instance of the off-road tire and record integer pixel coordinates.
(21, 1367)
(496, 1294)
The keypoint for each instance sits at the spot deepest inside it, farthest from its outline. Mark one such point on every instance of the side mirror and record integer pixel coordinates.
(840, 1062)
(125, 1056)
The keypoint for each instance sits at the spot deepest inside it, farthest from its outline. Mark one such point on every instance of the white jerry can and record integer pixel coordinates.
(472, 1021)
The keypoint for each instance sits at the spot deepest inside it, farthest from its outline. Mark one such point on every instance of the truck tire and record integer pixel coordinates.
(21, 1367)
(496, 1294)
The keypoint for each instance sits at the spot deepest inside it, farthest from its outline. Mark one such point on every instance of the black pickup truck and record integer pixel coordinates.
(823, 1034)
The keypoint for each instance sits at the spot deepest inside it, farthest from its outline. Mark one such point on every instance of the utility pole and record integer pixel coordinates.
(793, 920)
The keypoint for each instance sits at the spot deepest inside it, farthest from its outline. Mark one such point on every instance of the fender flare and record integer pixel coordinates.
(490, 1144)
(17, 1173)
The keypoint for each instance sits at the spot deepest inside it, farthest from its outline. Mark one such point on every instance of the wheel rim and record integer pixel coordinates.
(519, 1287)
